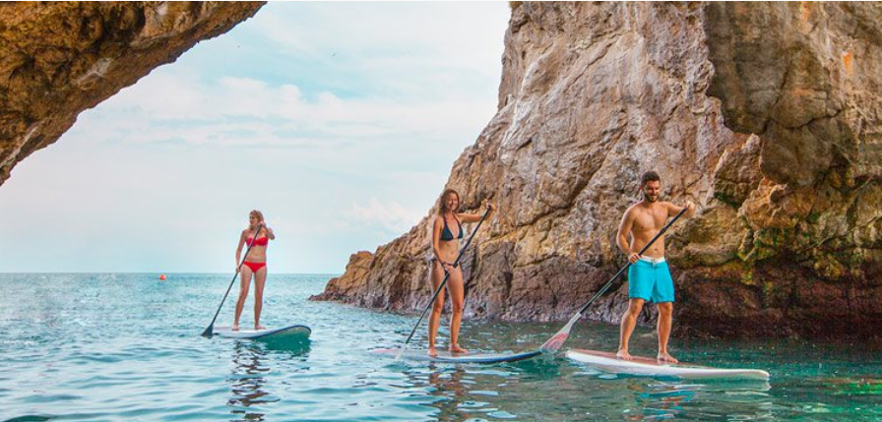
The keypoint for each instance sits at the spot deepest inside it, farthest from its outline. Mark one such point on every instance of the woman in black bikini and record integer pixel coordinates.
(446, 234)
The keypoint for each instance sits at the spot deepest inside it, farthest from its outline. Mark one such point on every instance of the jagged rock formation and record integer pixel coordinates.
(765, 114)
(60, 58)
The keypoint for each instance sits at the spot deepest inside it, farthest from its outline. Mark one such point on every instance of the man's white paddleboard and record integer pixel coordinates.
(641, 366)
(484, 358)
(292, 331)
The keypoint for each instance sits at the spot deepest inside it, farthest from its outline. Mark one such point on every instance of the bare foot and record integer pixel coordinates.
(432, 352)
(456, 349)
(258, 327)
(666, 358)
(235, 327)
(624, 355)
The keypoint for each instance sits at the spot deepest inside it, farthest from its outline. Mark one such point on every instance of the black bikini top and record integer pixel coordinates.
(446, 234)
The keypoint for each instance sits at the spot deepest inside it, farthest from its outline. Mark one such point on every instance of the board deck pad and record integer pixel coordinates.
(643, 366)
(296, 331)
(444, 356)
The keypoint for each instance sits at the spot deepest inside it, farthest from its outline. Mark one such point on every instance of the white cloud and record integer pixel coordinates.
(246, 111)
(391, 36)
(408, 75)
(389, 215)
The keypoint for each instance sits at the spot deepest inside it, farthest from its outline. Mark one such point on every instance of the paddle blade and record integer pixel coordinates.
(208, 332)
(557, 340)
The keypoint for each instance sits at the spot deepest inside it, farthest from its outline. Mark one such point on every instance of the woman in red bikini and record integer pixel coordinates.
(255, 263)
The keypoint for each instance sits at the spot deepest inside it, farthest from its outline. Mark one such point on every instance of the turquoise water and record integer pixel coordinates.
(126, 347)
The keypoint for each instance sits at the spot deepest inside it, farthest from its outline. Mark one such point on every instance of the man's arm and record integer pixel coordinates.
(622, 235)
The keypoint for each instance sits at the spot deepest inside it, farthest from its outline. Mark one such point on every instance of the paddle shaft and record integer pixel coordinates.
(628, 265)
(210, 330)
(446, 276)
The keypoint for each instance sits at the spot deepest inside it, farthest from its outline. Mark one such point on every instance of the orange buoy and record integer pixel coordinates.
(162, 276)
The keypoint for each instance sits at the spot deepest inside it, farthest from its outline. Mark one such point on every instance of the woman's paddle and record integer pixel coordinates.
(443, 283)
(210, 330)
(556, 342)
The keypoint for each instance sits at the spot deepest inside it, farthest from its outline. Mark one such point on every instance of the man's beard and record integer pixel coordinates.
(648, 198)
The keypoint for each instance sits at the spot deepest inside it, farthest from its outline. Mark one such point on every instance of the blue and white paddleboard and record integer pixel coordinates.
(648, 367)
(484, 358)
(294, 332)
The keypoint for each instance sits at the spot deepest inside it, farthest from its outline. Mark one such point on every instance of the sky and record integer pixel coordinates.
(339, 121)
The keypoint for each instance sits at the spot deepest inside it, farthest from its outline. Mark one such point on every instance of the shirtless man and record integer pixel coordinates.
(648, 275)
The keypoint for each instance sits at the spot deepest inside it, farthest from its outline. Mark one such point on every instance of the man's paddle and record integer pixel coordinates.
(556, 342)
(210, 330)
(443, 282)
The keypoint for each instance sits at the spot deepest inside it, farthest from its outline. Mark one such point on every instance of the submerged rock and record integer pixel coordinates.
(767, 115)
(60, 58)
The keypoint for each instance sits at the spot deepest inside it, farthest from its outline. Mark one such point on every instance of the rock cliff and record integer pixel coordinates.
(60, 58)
(767, 115)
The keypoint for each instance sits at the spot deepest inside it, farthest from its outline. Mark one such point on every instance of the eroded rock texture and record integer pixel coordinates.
(60, 58)
(765, 114)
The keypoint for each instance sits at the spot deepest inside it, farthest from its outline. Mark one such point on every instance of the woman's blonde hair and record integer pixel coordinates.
(257, 214)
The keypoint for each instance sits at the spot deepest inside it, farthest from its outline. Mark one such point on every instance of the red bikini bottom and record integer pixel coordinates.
(254, 265)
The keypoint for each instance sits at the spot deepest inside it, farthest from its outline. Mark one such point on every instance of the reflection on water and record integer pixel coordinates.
(249, 377)
(658, 401)
(449, 391)
(659, 398)
(556, 389)
(462, 392)
(247, 382)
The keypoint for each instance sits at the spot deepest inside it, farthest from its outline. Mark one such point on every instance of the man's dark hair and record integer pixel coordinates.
(649, 176)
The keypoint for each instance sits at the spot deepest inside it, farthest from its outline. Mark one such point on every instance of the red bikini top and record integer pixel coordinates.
(261, 241)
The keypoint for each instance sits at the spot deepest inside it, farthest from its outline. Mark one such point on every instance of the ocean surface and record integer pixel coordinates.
(127, 347)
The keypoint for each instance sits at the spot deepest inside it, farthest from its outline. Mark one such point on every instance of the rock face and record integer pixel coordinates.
(767, 115)
(60, 58)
